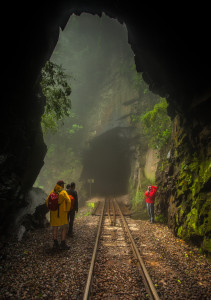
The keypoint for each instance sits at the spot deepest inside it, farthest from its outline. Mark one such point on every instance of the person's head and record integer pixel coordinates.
(68, 186)
(61, 183)
(149, 188)
(72, 185)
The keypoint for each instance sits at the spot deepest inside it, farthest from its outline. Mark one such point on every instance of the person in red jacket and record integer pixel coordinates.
(150, 199)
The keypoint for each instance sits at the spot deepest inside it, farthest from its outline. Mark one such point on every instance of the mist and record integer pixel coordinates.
(94, 142)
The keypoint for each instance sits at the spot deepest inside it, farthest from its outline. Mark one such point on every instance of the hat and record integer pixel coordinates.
(60, 182)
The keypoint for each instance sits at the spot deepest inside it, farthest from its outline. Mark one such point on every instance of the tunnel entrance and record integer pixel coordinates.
(107, 163)
(100, 68)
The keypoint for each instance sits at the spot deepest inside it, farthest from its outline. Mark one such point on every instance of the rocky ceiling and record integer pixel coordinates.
(171, 45)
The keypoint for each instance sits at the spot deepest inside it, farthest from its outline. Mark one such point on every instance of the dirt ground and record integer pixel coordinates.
(30, 269)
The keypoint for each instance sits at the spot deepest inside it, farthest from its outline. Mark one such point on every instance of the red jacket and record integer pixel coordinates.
(151, 195)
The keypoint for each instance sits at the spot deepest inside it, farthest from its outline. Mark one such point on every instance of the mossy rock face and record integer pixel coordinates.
(189, 214)
(195, 223)
(206, 245)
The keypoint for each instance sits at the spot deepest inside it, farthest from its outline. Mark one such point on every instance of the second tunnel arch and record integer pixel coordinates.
(108, 162)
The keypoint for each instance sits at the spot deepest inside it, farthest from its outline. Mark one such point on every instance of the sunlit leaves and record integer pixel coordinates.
(49, 123)
(75, 128)
(56, 89)
(157, 125)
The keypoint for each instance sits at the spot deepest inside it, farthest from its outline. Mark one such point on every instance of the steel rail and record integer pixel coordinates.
(114, 214)
(108, 210)
(147, 280)
(89, 278)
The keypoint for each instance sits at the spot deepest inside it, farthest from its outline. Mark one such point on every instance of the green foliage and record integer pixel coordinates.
(161, 219)
(138, 199)
(91, 204)
(75, 128)
(57, 91)
(157, 125)
(49, 123)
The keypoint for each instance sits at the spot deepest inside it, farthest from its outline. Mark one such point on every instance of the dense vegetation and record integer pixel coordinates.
(157, 125)
(154, 128)
(57, 92)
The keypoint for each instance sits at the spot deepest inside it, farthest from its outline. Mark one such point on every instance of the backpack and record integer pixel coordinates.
(53, 201)
(72, 201)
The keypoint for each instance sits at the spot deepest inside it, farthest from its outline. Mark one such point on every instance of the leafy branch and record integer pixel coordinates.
(156, 124)
(57, 91)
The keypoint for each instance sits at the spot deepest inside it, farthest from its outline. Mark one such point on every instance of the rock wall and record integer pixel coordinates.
(152, 159)
(184, 177)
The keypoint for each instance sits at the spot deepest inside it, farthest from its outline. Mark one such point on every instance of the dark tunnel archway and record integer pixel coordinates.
(108, 162)
(171, 48)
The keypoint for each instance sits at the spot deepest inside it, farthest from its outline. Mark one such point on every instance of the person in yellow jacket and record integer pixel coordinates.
(59, 218)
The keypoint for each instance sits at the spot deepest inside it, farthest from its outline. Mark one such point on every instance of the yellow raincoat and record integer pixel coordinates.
(64, 207)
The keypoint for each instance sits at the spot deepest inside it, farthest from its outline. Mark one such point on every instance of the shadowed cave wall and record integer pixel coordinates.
(171, 48)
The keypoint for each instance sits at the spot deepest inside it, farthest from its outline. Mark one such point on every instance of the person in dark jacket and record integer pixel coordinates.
(150, 199)
(70, 188)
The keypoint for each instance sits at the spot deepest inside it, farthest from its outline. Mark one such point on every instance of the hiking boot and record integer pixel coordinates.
(64, 246)
(55, 244)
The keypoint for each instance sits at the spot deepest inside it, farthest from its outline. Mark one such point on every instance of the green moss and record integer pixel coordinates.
(180, 214)
(193, 216)
(201, 177)
(161, 219)
(191, 220)
(205, 171)
(91, 204)
(209, 222)
(177, 219)
(180, 231)
(193, 173)
(202, 229)
(206, 245)
(194, 165)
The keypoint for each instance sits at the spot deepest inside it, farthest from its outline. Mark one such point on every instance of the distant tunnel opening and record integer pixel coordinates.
(108, 163)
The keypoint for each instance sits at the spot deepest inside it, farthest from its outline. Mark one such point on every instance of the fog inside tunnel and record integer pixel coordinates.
(94, 143)
(107, 163)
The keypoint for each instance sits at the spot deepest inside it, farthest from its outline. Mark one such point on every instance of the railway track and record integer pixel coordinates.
(117, 270)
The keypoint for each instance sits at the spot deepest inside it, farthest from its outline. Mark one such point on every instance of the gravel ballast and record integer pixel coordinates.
(30, 269)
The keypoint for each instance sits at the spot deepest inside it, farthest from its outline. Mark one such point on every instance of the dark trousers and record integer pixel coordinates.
(71, 217)
(150, 209)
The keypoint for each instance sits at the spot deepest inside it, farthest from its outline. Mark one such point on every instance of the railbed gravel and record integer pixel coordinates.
(178, 270)
(30, 269)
